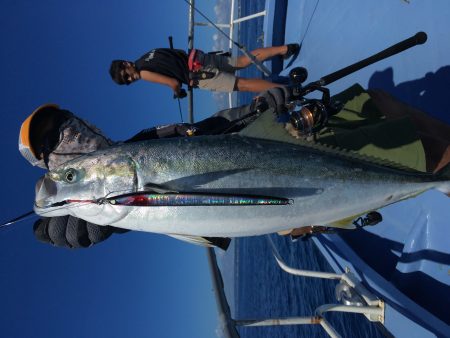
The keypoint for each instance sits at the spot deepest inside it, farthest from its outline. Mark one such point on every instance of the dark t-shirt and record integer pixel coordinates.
(165, 61)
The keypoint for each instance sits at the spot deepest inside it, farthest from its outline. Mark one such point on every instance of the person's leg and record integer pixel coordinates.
(263, 54)
(220, 82)
(254, 85)
(227, 82)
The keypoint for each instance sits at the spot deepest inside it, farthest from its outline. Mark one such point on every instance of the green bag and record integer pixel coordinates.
(358, 127)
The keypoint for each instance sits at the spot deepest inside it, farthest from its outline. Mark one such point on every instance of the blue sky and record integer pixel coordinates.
(132, 285)
(141, 284)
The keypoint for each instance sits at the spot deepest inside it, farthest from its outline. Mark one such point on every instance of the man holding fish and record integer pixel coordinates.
(50, 149)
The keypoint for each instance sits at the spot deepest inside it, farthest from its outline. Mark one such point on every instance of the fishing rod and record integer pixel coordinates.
(179, 108)
(31, 213)
(179, 103)
(242, 48)
(313, 114)
(18, 219)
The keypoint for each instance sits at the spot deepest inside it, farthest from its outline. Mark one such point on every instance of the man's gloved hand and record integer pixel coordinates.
(277, 98)
(71, 232)
(180, 94)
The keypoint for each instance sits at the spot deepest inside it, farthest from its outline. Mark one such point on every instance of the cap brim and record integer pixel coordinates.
(24, 135)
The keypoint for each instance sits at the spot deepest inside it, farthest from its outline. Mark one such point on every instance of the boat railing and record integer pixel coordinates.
(350, 291)
(354, 298)
(230, 27)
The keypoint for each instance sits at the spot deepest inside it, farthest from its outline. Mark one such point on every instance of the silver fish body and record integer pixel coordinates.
(322, 188)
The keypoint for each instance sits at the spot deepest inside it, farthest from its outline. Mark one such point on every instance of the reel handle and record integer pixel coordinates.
(418, 39)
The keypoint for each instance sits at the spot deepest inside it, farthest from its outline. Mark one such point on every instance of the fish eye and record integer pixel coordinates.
(70, 175)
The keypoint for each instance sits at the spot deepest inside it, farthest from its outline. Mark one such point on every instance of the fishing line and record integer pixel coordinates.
(66, 206)
(20, 218)
(309, 22)
(242, 48)
(179, 104)
(179, 108)
(31, 213)
(306, 32)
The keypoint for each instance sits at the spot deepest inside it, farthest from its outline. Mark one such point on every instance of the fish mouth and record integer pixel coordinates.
(45, 191)
(42, 204)
(45, 204)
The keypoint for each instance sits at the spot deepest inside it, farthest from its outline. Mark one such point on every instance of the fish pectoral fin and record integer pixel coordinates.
(358, 221)
(346, 223)
(218, 242)
(159, 188)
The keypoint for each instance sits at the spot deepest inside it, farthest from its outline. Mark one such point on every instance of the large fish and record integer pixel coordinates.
(228, 185)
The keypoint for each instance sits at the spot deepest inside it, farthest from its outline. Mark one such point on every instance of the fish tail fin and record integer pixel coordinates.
(444, 175)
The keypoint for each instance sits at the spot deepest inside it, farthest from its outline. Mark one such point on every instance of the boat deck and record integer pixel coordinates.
(334, 35)
(406, 258)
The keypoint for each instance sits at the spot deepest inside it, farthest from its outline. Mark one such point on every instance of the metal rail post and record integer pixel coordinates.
(190, 46)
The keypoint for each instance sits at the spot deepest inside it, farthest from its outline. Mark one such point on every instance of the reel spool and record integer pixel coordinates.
(310, 118)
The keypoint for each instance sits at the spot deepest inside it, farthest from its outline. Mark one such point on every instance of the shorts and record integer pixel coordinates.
(224, 68)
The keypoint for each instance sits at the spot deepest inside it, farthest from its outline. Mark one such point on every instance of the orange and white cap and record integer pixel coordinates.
(25, 147)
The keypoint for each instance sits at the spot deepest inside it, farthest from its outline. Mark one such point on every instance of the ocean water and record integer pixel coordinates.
(263, 290)
(260, 289)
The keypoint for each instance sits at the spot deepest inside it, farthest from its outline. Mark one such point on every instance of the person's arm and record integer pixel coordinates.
(161, 79)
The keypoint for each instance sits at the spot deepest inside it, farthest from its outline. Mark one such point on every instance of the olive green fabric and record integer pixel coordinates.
(359, 127)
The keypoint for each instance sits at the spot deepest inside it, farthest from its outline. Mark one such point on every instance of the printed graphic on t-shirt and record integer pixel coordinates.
(150, 55)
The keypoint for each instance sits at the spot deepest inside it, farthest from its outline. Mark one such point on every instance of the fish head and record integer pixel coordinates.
(87, 180)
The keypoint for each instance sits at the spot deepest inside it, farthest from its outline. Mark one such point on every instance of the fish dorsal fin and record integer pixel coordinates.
(267, 128)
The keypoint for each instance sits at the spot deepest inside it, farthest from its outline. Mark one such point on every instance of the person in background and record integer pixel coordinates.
(212, 71)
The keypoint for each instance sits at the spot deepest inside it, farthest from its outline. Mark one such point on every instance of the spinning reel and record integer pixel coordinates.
(308, 116)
